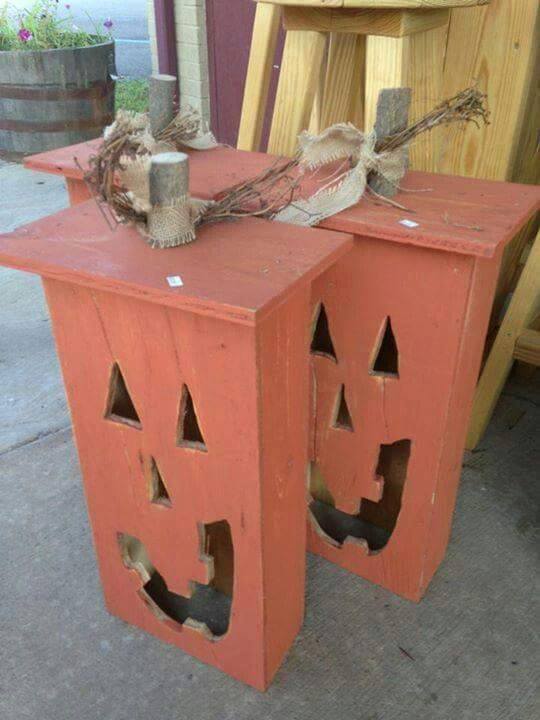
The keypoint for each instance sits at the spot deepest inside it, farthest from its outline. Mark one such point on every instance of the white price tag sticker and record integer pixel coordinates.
(175, 281)
(409, 223)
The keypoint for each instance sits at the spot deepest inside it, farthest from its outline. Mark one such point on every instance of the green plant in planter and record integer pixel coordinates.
(42, 28)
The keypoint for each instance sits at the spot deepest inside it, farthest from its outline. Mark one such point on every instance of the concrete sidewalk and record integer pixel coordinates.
(469, 651)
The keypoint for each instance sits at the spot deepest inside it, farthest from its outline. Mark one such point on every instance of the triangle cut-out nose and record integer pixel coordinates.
(343, 419)
(159, 495)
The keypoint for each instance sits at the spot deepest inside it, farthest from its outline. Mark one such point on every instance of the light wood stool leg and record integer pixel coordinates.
(302, 58)
(521, 311)
(261, 59)
(341, 78)
(414, 61)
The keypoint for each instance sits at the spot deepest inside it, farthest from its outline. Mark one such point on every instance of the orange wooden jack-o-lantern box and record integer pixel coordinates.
(187, 374)
(398, 330)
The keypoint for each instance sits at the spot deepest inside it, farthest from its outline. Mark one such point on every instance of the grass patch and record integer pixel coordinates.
(132, 94)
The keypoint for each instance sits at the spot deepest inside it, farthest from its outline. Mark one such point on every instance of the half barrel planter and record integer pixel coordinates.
(190, 407)
(398, 330)
(53, 98)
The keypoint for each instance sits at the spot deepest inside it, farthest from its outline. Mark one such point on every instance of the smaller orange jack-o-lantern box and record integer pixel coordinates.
(187, 373)
(399, 327)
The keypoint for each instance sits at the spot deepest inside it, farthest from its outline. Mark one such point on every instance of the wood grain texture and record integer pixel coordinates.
(447, 210)
(298, 80)
(421, 4)
(439, 322)
(496, 48)
(53, 98)
(415, 61)
(245, 478)
(394, 23)
(523, 309)
(341, 80)
(259, 74)
(236, 271)
(527, 347)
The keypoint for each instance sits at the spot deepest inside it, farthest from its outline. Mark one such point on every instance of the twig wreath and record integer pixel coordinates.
(120, 173)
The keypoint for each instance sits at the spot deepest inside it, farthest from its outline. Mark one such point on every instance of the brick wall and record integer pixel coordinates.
(192, 52)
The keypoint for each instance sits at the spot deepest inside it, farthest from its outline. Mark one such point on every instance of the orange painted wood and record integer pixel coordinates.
(435, 282)
(447, 208)
(237, 271)
(165, 499)
(210, 172)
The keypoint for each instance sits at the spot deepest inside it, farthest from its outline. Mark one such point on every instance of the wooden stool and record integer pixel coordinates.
(517, 339)
(338, 55)
(187, 374)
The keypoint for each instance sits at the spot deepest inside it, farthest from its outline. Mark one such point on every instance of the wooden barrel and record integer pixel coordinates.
(54, 98)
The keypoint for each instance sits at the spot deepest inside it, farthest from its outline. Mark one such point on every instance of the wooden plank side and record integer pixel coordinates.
(259, 74)
(524, 307)
(494, 47)
(394, 23)
(298, 81)
(238, 271)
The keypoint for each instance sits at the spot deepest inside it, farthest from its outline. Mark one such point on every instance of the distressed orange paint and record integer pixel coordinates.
(190, 409)
(407, 314)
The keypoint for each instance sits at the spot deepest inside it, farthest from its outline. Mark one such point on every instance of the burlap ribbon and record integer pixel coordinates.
(341, 142)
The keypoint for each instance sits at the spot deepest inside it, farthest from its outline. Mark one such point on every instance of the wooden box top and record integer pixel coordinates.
(449, 213)
(236, 271)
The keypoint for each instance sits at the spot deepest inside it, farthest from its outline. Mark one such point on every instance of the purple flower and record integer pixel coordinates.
(108, 23)
(24, 35)
(68, 6)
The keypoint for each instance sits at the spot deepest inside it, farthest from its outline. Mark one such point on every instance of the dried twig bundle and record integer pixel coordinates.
(119, 172)
(467, 106)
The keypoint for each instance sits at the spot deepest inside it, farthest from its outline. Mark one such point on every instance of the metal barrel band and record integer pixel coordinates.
(96, 89)
(27, 126)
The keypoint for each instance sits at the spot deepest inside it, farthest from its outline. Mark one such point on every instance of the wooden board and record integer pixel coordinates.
(446, 208)
(394, 23)
(420, 4)
(238, 271)
(249, 480)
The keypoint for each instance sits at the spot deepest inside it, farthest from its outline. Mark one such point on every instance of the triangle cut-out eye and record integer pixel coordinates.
(120, 406)
(159, 494)
(343, 419)
(189, 432)
(386, 361)
(321, 343)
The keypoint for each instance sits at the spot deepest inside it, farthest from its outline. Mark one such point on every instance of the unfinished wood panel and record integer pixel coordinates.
(421, 4)
(341, 79)
(394, 23)
(261, 58)
(415, 61)
(494, 46)
(358, 92)
(523, 309)
(528, 347)
(302, 59)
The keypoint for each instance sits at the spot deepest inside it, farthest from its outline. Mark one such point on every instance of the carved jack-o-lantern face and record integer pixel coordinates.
(208, 608)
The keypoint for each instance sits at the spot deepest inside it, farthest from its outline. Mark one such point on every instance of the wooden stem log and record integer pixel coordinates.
(392, 117)
(162, 101)
(169, 221)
